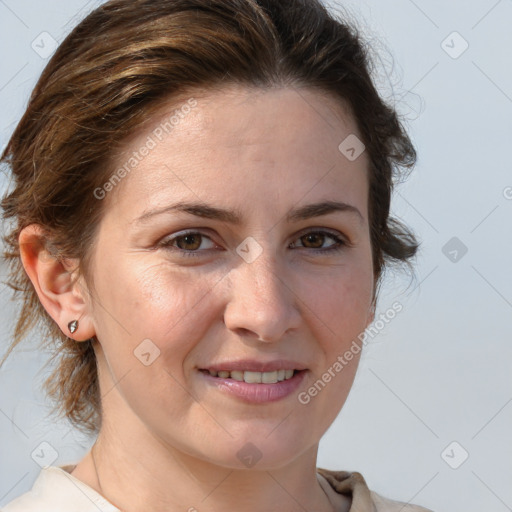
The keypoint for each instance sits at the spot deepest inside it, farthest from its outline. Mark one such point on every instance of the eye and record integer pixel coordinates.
(188, 243)
(193, 243)
(316, 239)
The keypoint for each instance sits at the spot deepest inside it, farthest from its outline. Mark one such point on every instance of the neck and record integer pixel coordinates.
(144, 475)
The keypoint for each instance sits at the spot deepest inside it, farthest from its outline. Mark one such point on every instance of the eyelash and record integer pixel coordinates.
(338, 246)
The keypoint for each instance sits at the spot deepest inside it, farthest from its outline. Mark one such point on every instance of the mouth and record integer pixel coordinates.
(252, 377)
(255, 387)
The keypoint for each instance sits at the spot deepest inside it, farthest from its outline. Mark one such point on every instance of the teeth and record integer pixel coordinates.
(254, 377)
(269, 377)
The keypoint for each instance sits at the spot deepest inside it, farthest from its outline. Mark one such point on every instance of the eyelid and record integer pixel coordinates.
(166, 241)
(341, 240)
(326, 231)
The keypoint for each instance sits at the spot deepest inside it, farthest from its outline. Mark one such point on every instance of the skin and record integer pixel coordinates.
(168, 440)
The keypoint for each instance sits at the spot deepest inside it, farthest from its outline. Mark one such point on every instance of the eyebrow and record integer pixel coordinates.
(206, 211)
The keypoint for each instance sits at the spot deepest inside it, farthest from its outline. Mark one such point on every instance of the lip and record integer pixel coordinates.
(255, 393)
(252, 365)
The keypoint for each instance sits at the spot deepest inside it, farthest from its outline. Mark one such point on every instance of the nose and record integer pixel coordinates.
(262, 304)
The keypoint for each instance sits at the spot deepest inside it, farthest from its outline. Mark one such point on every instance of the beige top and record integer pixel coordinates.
(56, 490)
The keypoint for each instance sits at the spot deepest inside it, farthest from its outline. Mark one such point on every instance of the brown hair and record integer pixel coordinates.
(113, 72)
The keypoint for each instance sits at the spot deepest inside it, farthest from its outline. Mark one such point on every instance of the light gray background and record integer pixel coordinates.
(440, 371)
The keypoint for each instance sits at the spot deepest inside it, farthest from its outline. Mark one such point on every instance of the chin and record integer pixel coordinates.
(258, 452)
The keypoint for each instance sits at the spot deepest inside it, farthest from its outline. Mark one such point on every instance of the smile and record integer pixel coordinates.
(253, 377)
(255, 387)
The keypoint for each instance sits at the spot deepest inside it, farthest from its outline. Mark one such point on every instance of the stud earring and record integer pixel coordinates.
(73, 326)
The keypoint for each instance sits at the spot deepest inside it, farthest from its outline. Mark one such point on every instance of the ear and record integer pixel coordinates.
(63, 297)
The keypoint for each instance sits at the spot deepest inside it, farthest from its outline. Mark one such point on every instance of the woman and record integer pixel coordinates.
(201, 209)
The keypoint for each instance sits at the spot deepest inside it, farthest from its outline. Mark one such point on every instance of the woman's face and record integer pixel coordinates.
(180, 287)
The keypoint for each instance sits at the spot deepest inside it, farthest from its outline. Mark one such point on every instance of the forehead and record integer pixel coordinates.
(217, 142)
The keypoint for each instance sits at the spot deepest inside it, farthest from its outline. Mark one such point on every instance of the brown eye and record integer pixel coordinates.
(313, 240)
(189, 242)
(192, 243)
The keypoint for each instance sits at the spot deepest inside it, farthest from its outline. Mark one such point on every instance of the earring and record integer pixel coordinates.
(73, 326)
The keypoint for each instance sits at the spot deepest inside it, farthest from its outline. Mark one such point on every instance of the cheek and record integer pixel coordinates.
(337, 313)
(338, 302)
(173, 299)
(139, 290)
(148, 309)
(142, 300)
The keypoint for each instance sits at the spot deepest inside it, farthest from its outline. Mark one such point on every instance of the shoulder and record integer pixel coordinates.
(353, 484)
(383, 504)
(55, 490)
